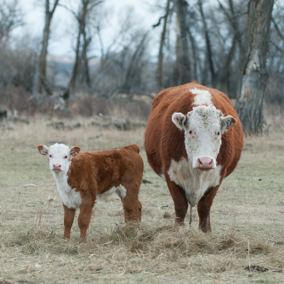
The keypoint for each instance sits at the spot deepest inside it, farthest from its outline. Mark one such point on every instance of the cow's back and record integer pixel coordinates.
(164, 141)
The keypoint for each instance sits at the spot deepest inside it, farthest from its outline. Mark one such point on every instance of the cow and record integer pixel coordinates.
(83, 178)
(193, 140)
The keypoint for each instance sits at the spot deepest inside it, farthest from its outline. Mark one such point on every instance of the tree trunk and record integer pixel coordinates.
(73, 76)
(254, 74)
(208, 46)
(81, 61)
(182, 56)
(195, 55)
(160, 57)
(44, 46)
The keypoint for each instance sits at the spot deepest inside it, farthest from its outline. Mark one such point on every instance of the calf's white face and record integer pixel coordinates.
(203, 128)
(59, 156)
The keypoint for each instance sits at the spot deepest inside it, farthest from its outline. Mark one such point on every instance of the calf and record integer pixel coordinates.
(81, 178)
(193, 140)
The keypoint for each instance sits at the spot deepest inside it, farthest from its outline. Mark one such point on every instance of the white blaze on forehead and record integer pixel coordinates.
(58, 149)
(206, 115)
(202, 97)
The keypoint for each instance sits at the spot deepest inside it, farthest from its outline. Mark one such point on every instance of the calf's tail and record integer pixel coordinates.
(132, 147)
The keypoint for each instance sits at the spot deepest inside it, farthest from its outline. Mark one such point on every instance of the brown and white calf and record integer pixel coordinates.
(193, 140)
(81, 178)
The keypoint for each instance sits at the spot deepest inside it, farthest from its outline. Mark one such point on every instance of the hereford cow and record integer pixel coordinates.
(193, 140)
(82, 178)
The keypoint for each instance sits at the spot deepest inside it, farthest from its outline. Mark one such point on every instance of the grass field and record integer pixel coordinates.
(247, 219)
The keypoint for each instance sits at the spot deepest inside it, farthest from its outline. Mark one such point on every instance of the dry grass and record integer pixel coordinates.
(247, 217)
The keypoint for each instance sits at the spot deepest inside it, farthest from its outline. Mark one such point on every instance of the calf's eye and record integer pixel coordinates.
(218, 133)
(50, 156)
(65, 157)
(190, 131)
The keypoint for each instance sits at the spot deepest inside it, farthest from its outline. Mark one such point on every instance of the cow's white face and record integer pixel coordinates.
(203, 128)
(59, 156)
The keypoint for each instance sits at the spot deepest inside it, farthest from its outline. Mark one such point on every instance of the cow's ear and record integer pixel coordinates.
(75, 150)
(227, 122)
(43, 149)
(179, 120)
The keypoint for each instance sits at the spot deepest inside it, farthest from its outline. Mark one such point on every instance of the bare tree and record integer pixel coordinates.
(253, 66)
(82, 43)
(182, 51)
(209, 55)
(42, 82)
(162, 42)
(11, 17)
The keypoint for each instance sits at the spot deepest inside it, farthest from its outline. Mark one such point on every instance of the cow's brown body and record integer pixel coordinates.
(165, 142)
(93, 174)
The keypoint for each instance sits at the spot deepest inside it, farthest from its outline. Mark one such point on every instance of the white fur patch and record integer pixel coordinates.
(162, 176)
(120, 191)
(194, 182)
(68, 195)
(202, 97)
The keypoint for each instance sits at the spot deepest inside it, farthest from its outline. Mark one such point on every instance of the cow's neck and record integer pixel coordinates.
(193, 181)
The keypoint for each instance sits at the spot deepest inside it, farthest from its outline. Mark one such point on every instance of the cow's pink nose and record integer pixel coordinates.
(205, 163)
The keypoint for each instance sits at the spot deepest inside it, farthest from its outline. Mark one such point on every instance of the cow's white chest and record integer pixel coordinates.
(194, 182)
(68, 195)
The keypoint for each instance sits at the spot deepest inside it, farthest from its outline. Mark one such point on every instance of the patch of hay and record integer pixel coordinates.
(36, 241)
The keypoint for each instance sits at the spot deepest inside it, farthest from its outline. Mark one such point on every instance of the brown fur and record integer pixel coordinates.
(94, 173)
(164, 141)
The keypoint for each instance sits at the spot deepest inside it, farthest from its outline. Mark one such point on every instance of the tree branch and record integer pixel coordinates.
(277, 47)
(277, 28)
(54, 7)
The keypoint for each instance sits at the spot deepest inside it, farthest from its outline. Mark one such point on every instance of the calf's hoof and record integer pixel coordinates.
(83, 240)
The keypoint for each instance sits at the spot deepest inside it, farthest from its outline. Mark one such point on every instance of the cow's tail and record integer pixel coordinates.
(190, 215)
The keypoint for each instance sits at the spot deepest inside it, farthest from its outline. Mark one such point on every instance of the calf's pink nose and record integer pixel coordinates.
(205, 163)
(56, 166)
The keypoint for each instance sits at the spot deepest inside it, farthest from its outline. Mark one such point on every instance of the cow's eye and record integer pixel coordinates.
(190, 131)
(50, 156)
(218, 133)
(65, 157)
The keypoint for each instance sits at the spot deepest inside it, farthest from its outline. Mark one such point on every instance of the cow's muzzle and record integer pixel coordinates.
(205, 163)
(57, 168)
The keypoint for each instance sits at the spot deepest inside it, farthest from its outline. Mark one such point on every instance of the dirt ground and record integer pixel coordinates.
(246, 245)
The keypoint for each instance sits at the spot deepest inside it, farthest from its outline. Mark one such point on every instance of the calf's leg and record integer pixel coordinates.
(203, 208)
(131, 205)
(68, 221)
(84, 217)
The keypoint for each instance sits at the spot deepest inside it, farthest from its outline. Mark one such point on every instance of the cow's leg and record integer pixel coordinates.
(84, 217)
(179, 199)
(69, 215)
(203, 208)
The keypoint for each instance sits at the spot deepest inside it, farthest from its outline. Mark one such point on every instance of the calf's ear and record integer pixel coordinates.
(179, 120)
(227, 122)
(75, 150)
(43, 149)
